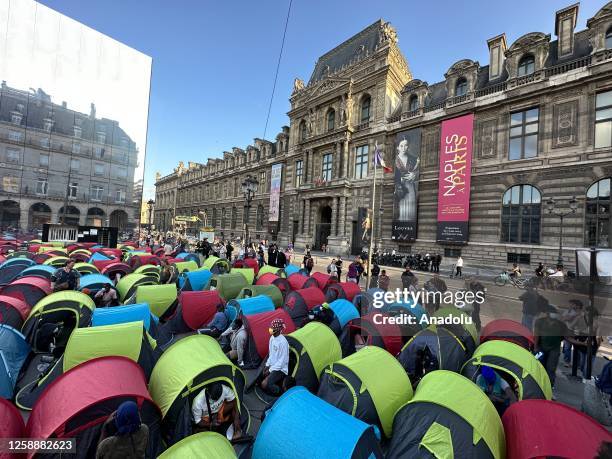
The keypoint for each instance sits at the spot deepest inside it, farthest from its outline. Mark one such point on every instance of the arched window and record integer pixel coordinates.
(598, 224)
(526, 65)
(413, 105)
(366, 102)
(331, 120)
(234, 217)
(260, 217)
(461, 87)
(521, 209)
(609, 38)
(302, 130)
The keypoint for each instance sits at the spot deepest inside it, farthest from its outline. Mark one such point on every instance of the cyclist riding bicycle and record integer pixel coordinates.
(516, 271)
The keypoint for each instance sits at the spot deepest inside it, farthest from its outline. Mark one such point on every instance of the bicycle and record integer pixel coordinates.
(504, 278)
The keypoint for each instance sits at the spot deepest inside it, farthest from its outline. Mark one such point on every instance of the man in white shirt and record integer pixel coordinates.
(224, 408)
(557, 273)
(459, 267)
(277, 366)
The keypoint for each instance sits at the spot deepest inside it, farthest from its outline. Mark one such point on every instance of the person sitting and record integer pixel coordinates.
(220, 400)
(123, 434)
(237, 335)
(277, 365)
(496, 388)
(65, 278)
(106, 296)
(217, 325)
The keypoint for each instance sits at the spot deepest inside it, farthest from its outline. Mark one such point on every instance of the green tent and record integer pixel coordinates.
(248, 274)
(126, 287)
(460, 324)
(449, 416)
(271, 291)
(186, 266)
(369, 384)
(148, 270)
(86, 268)
(312, 348)
(271, 269)
(228, 285)
(515, 361)
(161, 299)
(56, 261)
(216, 265)
(203, 445)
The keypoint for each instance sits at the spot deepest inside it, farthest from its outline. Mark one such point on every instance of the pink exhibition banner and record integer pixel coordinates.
(454, 179)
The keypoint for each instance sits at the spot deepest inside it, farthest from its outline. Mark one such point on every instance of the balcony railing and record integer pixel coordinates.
(568, 66)
(499, 87)
(362, 126)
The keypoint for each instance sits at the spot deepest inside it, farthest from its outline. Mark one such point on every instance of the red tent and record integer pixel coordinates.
(13, 311)
(117, 253)
(299, 281)
(542, 428)
(11, 423)
(323, 280)
(272, 279)
(39, 258)
(299, 302)
(378, 332)
(30, 289)
(342, 290)
(257, 327)
(198, 308)
(508, 330)
(139, 260)
(114, 268)
(250, 263)
(81, 399)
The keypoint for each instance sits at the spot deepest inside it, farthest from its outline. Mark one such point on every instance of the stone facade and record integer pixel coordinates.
(361, 94)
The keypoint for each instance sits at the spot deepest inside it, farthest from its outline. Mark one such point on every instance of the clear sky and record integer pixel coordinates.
(214, 61)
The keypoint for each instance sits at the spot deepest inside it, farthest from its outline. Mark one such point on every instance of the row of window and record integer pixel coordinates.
(219, 189)
(77, 147)
(233, 214)
(330, 118)
(10, 184)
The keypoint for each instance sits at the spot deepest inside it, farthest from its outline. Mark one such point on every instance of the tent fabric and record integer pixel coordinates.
(253, 305)
(292, 269)
(88, 384)
(508, 330)
(467, 324)
(198, 308)
(28, 289)
(43, 271)
(56, 261)
(342, 290)
(380, 332)
(248, 263)
(148, 270)
(527, 364)
(271, 291)
(384, 379)
(267, 269)
(11, 272)
(61, 297)
(542, 428)
(257, 327)
(98, 256)
(14, 351)
(248, 274)
(13, 311)
(86, 268)
(112, 268)
(203, 445)
(228, 285)
(272, 279)
(128, 285)
(17, 261)
(216, 265)
(160, 298)
(441, 388)
(320, 343)
(181, 363)
(11, 422)
(194, 280)
(344, 311)
(94, 281)
(299, 281)
(121, 315)
(338, 435)
(323, 280)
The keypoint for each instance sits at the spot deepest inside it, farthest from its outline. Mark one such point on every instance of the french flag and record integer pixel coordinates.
(378, 159)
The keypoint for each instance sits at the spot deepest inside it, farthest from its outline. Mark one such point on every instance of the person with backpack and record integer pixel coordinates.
(374, 275)
(308, 264)
(332, 269)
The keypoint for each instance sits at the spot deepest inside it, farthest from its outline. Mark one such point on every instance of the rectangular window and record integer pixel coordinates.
(524, 134)
(121, 172)
(10, 184)
(361, 162)
(299, 172)
(75, 164)
(14, 136)
(99, 170)
(326, 170)
(120, 196)
(262, 182)
(519, 258)
(98, 152)
(76, 148)
(47, 125)
(78, 132)
(43, 160)
(96, 193)
(101, 137)
(42, 186)
(452, 253)
(603, 120)
(45, 142)
(73, 189)
(12, 155)
(16, 118)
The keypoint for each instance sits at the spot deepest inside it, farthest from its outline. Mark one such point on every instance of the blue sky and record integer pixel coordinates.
(214, 61)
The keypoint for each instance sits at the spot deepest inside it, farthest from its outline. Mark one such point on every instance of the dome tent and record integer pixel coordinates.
(186, 266)
(271, 291)
(311, 349)
(126, 287)
(114, 268)
(370, 385)
(323, 280)
(272, 279)
(338, 435)
(12, 268)
(376, 331)
(252, 305)
(267, 269)
(541, 428)
(29, 289)
(180, 374)
(449, 416)
(94, 282)
(149, 270)
(465, 330)
(11, 423)
(162, 299)
(194, 280)
(516, 362)
(13, 311)
(228, 285)
(342, 290)
(57, 261)
(66, 410)
(248, 273)
(364, 301)
(125, 314)
(86, 268)
(299, 302)
(247, 263)
(258, 337)
(508, 330)
(344, 311)
(14, 351)
(299, 281)
(43, 271)
(216, 265)
(203, 445)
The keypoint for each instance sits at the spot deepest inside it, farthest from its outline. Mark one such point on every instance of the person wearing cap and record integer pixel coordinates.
(549, 332)
(496, 388)
(277, 365)
(106, 296)
(123, 435)
(65, 278)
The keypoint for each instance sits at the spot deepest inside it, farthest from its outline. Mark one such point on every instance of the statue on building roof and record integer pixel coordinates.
(388, 33)
(298, 85)
(157, 176)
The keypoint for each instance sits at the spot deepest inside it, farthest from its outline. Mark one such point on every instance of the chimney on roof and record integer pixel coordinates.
(497, 49)
(64, 104)
(565, 23)
(92, 111)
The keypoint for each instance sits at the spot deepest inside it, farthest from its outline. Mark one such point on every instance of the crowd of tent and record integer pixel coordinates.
(409, 392)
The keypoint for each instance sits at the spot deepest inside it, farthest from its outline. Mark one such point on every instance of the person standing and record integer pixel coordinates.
(339, 266)
(332, 269)
(383, 280)
(549, 332)
(408, 278)
(65, 278)
(374, 275)
(228, 250)
(459, 267)
(353, 272)
(277, 365)
(308, 264)
(530, 299)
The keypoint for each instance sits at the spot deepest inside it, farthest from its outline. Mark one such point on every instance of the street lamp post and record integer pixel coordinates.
(150, 204)
(550, 205)
(249, 188)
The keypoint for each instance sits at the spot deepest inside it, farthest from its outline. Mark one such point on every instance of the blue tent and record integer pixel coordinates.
(189, 257)
(344, 311)
(301, 425)
(97, 256)
(94, 282)
(291, 269)
(124, 314)
(365, 301)
(194, 280)
(44, 271)
(17, 261)
(408, 306)
(14, 351)
(253, 305)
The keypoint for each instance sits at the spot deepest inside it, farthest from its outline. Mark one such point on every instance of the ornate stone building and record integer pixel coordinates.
(542, 129)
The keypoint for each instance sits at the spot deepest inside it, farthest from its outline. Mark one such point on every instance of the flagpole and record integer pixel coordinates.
(372, 219)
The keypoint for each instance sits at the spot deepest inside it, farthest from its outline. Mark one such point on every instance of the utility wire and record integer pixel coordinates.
(280, 55)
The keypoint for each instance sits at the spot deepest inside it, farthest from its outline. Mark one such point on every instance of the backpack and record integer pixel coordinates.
(309, 263)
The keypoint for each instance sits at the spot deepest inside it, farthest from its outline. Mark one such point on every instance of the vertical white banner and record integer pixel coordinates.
(275, 187)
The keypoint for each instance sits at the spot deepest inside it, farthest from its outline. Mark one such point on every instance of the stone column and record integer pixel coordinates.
(307, 217)
(302, 207)
(305, 166)
(342, 217)
(345, 159)
(334, 227)
(338, 161)
(310, 166)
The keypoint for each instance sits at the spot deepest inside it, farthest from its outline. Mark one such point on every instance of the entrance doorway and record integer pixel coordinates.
(323, 228)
